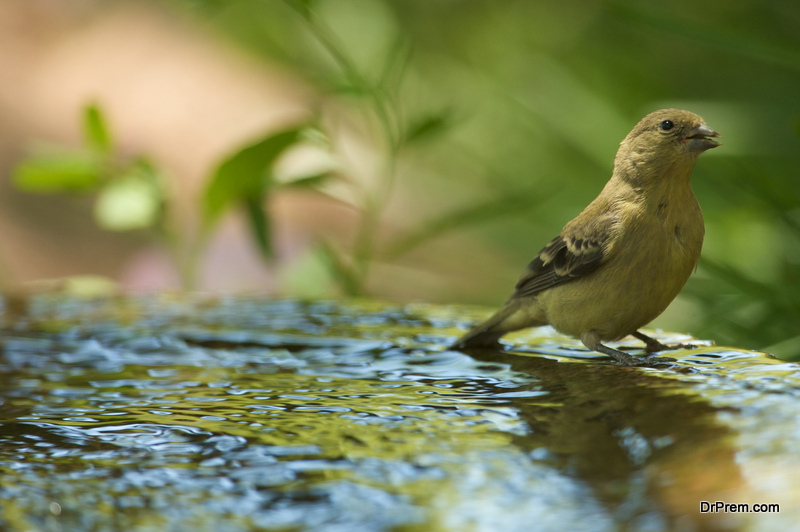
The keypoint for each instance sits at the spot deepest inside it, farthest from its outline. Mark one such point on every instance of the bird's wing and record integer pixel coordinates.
(566, 257)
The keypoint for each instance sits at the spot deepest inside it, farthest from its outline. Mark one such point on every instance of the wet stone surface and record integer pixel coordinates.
(198, 413)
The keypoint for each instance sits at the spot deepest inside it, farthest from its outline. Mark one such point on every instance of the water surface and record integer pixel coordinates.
(200, 413)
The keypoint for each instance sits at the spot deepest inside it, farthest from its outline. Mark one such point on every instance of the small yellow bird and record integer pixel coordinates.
(617, 265)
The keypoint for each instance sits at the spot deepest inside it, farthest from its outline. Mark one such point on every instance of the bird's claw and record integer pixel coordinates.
(650, 360)
(653, 360)
(663, 347)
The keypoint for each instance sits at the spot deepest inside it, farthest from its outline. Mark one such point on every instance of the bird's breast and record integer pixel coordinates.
(653, 255)
(664, 244)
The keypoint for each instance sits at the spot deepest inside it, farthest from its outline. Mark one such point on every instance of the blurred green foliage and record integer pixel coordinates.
(130, 190)
(500, 120)
(245, 179)
(130, 193)
(533, 97)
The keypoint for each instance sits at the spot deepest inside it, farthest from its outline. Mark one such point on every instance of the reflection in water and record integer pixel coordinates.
(158, 414)
(649, 448)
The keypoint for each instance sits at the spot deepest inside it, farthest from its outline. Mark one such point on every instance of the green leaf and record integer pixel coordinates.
(352, 88)
(130, 202)
(304, 7)
(259, 226)
(428, 127)
(58, 172)
(308, 182)
(339, 270)
(245, 176)
(95, 130)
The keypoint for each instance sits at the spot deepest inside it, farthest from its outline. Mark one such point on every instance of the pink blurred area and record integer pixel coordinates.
(170, 91)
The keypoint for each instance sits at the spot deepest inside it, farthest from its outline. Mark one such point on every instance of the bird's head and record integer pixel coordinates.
(668, 140)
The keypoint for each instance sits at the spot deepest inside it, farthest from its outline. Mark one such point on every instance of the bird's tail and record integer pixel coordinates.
(479, 336)
(486, 334)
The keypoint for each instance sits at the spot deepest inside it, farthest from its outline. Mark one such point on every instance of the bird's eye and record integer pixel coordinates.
(666, 125)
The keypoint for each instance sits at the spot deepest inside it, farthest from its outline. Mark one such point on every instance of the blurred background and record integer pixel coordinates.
(404, 150)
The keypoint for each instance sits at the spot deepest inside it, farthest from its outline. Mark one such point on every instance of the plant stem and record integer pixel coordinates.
(373, 200)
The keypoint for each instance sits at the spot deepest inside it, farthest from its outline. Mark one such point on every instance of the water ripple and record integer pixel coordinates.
(239, 414)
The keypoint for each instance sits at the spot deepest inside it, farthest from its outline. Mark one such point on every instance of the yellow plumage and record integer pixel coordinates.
(618, 264)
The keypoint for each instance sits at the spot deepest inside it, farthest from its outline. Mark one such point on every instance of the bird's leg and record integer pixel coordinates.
(651, 344)
(624, 359)
(591, 340)
(654, 346)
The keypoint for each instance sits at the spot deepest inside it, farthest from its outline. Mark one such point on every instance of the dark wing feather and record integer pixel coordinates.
(562, 260)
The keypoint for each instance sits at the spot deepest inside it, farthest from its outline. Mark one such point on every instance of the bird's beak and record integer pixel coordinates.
(700, 138)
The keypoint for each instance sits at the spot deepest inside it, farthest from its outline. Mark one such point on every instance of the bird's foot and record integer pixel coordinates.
(653, 360)
(675, 347)
(624, 359)
(654, 346)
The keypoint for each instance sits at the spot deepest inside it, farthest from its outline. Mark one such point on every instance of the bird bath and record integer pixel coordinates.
(204, 413)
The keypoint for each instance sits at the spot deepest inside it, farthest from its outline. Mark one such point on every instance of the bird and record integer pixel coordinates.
(617, 265)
